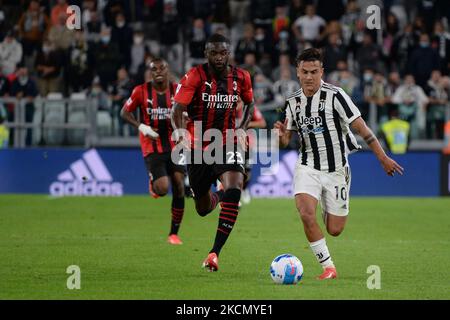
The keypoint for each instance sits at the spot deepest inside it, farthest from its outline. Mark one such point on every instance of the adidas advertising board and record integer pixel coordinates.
(87, 176)
(117, 172)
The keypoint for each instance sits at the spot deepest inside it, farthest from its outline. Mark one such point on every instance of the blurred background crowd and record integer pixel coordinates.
(402, 68)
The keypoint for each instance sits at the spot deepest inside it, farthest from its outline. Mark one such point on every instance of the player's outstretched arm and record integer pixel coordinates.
(389, 165)
(145, 129)
(283, 133)
(177, 119)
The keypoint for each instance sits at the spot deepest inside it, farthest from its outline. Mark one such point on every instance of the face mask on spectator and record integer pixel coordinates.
(23, 80)
(120, 24)
(367, 77)
(105, 39)
(424, 44)
(46, 49)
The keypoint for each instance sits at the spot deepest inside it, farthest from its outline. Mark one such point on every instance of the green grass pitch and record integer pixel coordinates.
(120, 246)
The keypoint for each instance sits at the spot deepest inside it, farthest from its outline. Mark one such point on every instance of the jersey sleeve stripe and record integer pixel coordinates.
(341, 99)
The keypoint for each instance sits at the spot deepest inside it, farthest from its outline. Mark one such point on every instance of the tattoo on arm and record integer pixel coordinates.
(369, 138)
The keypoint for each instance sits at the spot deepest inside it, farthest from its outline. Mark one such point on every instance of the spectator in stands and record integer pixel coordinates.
(79, 66)
(138, 52)
(378, 97)
(58, 10)
(48, 65)
(122, 36)
(348, 21)
(437, 105)
(308, 27)
(169, 25)
(389, 34)
(284, 86)
(250, 65)
(198, 36)
(366, 91)
(424, 59)
(441, 42)
(284, 62)
(402, 47)
(24, 88)
(245, 44)
(411, 100)
(106, 58)
(93, 29)
(101, 96)
(89, 7)
(284, 45)
(343, 78)
(369, 54)
(60, 35)
(392, 84)
(334, 51)
(120, 92)
(10, 54)
(265, 98)
(33, 25)
(264, 45)
(280, 22)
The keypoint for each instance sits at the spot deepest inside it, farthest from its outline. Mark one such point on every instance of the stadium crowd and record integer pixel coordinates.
(403, 68)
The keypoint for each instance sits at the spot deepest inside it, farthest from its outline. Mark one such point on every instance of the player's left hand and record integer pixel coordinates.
(242, 139)
(391, 167)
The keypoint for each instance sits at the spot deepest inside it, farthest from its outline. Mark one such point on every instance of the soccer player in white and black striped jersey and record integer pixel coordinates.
(323, 115)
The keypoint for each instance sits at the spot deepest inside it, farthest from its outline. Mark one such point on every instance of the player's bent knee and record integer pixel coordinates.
(333, 231)
(161, 191)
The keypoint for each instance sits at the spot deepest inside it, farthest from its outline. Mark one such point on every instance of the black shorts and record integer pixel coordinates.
(202, 176)
(160, 165)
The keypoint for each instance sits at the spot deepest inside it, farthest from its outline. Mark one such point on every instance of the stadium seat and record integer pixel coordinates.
(54, 112)
(77, 113)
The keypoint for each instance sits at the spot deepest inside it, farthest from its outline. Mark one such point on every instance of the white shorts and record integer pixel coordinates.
(331, 189)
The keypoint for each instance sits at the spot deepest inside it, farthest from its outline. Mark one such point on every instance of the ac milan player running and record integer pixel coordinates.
(154, 100)
(209, 93)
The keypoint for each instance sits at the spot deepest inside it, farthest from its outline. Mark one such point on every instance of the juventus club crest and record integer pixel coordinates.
(321, 105)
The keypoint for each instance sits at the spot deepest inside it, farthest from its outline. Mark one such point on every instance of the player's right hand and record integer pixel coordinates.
(281, 127)
(391, 167)
(148, 131)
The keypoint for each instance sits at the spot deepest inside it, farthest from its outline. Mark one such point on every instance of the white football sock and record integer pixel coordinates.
(321, 252)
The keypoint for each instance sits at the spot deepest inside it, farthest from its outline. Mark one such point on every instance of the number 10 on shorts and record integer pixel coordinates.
(341, 192)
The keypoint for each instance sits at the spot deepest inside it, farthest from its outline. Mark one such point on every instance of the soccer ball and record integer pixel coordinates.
(286, 269)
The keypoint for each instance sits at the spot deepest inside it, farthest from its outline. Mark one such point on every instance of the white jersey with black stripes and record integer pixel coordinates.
(322, 122)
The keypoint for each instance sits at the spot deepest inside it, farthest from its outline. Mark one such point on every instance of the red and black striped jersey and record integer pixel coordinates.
(213, 100)
(154, 108)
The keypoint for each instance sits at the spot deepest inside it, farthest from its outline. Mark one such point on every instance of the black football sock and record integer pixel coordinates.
(177, 214)
(216, 197)
(227, 218)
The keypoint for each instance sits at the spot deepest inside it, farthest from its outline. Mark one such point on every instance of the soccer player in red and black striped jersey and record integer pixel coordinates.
(209, 93)
(154, 100)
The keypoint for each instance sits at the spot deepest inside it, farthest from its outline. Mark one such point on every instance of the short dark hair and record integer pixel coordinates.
(217, 37)
(311, 54)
